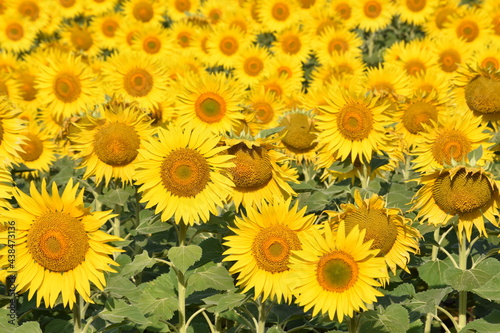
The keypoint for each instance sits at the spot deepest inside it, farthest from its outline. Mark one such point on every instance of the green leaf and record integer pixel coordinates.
(488, 324)
(150, 224)
(224, 302)
(8, 321)
(467, 280)
(140, 262)
(184, 256)
(308, 186)
(28, 327)
(490, 290)
(393, 319)
(161, 287)
(426, 301)
(275, 329)
(215, 277)
(475, 155)
(433, 272)
(316, 201)
(270, 131)
(118, 196)
(119, 286)
(157, 308)
(59, 326)
(117, 311)
(405, 289)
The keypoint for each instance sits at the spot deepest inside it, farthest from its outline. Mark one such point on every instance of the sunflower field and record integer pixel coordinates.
(249, 166)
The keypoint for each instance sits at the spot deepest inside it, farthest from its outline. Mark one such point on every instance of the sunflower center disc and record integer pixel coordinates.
(33, 148)
(67, 3)
(450, 60)
(29, 9)
(14, 31)
(28, 90)
(280, 11)
(185, 172)
(337, 271)
(143, 11)
(464, 193)
(58, 241)
(210, 107)
(378, 226)
(291, 44)
(338, 46)
(67, 87)
(182, 5)
(116, 144)
(490, 62)
(372, 9)
(355, 121)
(253, 168)
(138, 82)
(81, 39)
(264, 112)
(417, 114)
(344, 10)
(300, 133)
(151, 45)
(482, 95)
(451, 144)
(468, 30)
(109, 28)
(228, 45)
(272, 247)
(415, 66)
(253, 66)
(415, 5)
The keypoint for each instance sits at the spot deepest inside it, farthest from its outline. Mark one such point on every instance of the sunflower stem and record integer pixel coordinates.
(182, 233)
(181, 288)
(77, 315)
(261, 322)
(462, 295)
(353, 323)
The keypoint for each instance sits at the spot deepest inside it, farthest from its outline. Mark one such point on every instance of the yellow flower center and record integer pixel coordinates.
(228, 45)
(468, 30)
(378, 225)
(143, 11)
(291, 44)
(253, 66)
(116, 144)
(482, 95)
(14, 31)
(451, 144)
(138, 82)
(210, 107)
(253, 169)
(264, 112)
(372, 9)
(280, 11)
(151, 44)
(419, 113)
(272, 247)
(33, 148)
(185, 172)
(465, 193)
(81, 39)
(343, 10)
(67, 87)
(108, 27)
(58, 241)
(337, 45)
(29, 9)
(355, 121)
(337, 271)
(449, 60)
(300, 133)
(415, 5)
(182, 5)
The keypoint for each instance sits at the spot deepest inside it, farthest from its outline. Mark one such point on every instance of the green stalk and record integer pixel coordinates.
(77, 315)
(261, 322)
(353, 323)
(434, 254)
(462, 295)
(181, 288)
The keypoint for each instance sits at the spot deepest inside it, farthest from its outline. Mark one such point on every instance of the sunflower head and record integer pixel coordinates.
(482, 89)
(301, 134)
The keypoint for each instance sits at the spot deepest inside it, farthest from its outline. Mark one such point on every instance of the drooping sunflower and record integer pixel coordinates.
(452, 137)
(59, 246)
(184, 174)
(372, 15)
(336, 273)
(137, 77)
(260, 173)
(109, 145)
(390, 231)
(351, 126)
(469, 192)
(209, 101)
(262, 246)
(67, 86)
(416, 11)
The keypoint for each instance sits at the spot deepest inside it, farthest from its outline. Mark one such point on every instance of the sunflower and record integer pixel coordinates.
(417, 110)
(288, 66)
(342, 70)
(322, 17)
(154, 41)
(390, 231)
(183, 33)
(262, 245)
(80, 38)
(265, 109)
(472, 25)
(343, 10)
(26, 77)
(66, 9)
(59, 247)
(144, 11)
(224, 45)
(177, 9)
(137, 77)
(336, 273)
(279, 85)
(260, 173)
(215, 10)
(17, 33)
(10, 87)
(432, 80)
(10, 127)
(352, 126)
(293, 41)
(109, 145)
(33, 10)
(105, 27)
(67, 86)
(450, 139)
(237, 18)
(416, 11)
(387, 81)
(441, 15)
(251, 65)
(452, 53)
(300, 136)
(278, 14)
(471, 193)
(99, 7)
(39, 150)
(336, 41)
(489, 55)
(414, 57)
(184, 174)
(372, 15)
(209, 101)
